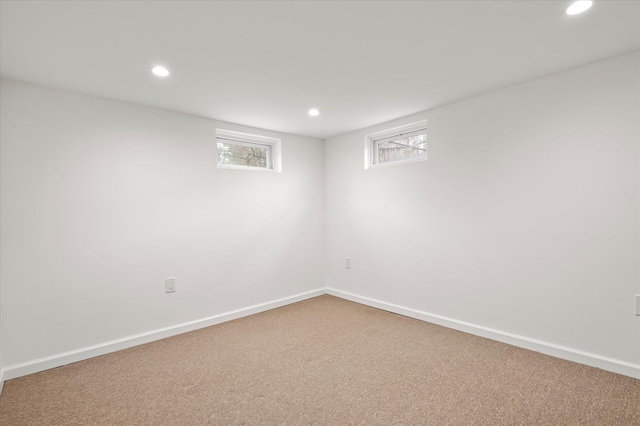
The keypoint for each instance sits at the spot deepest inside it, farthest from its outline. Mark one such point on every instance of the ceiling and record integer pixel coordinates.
(266, 63)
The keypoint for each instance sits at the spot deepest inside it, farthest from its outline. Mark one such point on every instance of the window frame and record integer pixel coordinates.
(372, 140)
(231, 137)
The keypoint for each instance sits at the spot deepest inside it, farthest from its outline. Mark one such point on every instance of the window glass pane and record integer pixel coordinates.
(239, 154)
(413, 146)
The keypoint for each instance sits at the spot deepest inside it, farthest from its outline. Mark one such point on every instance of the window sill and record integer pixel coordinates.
(256, 169)
(396, 163)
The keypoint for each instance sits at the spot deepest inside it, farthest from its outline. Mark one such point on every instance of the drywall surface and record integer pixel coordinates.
(524, 219)
(1, 369)
(101, 201)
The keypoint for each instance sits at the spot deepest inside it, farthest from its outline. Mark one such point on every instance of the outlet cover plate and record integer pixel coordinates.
(170, 285)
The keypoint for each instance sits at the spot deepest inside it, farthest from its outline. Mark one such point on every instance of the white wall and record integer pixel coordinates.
(524, 219)
(102, 200)
(1, 364)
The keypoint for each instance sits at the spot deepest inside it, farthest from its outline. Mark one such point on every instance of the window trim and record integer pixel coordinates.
(371, 141)
(274, 159)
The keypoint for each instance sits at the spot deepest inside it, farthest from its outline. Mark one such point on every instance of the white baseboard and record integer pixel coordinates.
(563, 352)
(30, 367)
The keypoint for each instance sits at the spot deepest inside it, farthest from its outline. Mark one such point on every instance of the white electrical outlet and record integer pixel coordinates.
(638, 304)
(347, 263)
(170, 285)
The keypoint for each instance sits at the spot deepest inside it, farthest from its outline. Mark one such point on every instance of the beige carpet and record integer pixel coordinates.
(322, 361)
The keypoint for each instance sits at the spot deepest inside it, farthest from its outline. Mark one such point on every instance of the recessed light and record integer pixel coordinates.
(578, 7)
(160, 71)
(314, 112)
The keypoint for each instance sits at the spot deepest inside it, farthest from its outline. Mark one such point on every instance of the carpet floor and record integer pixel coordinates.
(322, 361)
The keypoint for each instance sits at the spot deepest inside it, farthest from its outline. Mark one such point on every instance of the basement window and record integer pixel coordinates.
(245, 151)
(399, 145)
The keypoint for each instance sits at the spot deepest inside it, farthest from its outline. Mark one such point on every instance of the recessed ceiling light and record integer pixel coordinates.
(160, 71)
(578, 7)
(314, 112)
